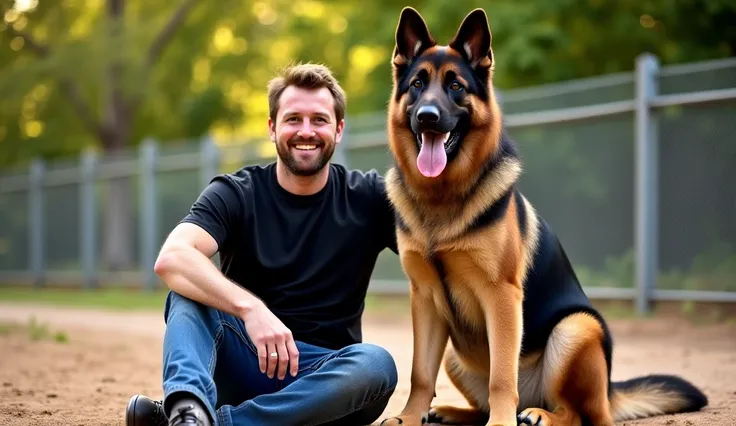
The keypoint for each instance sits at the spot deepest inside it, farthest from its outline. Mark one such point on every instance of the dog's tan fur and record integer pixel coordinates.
(478, 307)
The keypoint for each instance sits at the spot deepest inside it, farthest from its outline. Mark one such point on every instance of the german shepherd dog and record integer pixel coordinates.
(485, 270)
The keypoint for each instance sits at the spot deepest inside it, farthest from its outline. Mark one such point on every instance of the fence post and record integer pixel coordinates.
(646, 214)
(210, 161)
(149, 210)
(88, 217)
(37, 228)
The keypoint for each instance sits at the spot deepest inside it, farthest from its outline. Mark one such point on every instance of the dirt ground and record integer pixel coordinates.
(81, 367)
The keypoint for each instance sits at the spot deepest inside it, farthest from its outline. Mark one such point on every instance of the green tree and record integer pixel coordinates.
(92, 63)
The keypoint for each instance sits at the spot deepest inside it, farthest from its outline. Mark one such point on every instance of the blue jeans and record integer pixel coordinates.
(208, 354)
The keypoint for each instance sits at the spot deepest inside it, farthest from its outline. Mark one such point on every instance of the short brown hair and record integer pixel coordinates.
(305, 76)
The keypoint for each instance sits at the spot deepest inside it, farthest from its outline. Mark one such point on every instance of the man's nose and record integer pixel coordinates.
(305, 131)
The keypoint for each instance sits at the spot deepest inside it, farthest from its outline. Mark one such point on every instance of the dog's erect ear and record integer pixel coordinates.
(473, 39)
(412, 37)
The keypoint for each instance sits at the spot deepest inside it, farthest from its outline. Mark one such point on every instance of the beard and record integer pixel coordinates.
(300, 167)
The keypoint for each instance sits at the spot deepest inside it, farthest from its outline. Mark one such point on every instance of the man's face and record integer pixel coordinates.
(305, 130)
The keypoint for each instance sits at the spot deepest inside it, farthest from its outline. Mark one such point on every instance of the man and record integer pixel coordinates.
(275, 338)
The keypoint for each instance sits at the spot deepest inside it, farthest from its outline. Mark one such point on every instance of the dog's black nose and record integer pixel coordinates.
(428, 114)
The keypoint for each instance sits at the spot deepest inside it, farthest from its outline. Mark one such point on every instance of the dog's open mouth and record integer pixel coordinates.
(433, 150)
(450, 139)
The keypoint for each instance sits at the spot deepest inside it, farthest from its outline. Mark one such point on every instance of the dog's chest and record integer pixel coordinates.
(461, 277)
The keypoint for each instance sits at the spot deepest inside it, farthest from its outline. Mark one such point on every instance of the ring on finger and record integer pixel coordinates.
(274, 354)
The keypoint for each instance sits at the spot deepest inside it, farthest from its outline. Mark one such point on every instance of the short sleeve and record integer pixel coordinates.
(218, 210)
(386, 215)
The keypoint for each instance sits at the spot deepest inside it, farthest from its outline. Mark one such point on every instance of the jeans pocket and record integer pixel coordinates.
(241, 334)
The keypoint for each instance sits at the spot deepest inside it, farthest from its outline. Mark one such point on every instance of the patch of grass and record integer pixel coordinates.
(35, 330)
(41, 331)
(108, 298)
(6, 328)
(61, 337)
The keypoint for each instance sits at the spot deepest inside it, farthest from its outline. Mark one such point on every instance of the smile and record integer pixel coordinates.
(305, 147)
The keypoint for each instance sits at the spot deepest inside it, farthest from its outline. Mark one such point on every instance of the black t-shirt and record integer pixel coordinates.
(309, 258)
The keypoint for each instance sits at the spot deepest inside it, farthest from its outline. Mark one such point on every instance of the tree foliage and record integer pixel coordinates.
(211, 74)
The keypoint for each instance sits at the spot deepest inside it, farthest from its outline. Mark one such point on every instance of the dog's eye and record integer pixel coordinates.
(455, 86)
(417, 83)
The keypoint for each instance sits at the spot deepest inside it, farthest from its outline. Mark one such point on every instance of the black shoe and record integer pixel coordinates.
(143, 411)
(188, 415)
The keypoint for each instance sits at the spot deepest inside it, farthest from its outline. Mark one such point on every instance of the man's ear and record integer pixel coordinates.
(339, 130)
(473, 40)
(412, 37)
(272, 130)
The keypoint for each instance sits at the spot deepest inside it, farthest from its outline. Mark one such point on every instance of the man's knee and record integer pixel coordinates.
(377, 366)
(180, 307)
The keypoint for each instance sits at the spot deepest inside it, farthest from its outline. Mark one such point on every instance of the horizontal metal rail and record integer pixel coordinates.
(178, 162)
(116, 169)
(15, 184)
(565, 115)
(61, 177)
(711, 65)
(709, 96)
(694, 295)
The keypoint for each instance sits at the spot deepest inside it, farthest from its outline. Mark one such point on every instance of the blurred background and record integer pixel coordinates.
(114, 114)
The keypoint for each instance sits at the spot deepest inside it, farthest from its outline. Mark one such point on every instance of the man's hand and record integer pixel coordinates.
(270, 336)
(184, 266)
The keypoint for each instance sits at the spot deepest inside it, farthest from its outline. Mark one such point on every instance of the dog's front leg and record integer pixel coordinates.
(503, 314)
(430, 333)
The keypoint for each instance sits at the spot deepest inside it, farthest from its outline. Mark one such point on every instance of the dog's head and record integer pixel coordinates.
(443, 117)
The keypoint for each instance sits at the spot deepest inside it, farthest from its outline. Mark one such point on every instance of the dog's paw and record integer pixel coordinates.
(535, 417)
(456, 416)
(435, 416)
(405, 421)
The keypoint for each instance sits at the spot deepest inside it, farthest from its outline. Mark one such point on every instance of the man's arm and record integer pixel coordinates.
(184, 265)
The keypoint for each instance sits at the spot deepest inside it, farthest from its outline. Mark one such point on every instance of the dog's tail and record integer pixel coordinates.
(654, 395)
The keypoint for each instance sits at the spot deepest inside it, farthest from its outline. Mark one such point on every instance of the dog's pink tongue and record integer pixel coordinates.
(432, 158)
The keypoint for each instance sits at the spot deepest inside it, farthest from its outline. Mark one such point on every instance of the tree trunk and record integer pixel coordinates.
(118, 224)
(119, 230)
